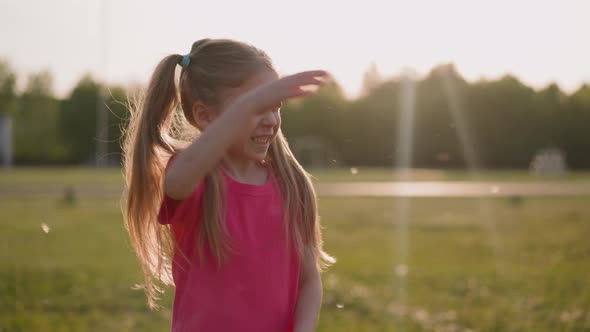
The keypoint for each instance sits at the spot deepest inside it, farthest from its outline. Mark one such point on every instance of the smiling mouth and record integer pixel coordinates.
(261, 139)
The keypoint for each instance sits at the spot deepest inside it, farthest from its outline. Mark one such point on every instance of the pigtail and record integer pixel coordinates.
(147, 145)
(302, 224)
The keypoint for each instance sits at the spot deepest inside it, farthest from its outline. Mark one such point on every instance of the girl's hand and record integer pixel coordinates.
(271, 95)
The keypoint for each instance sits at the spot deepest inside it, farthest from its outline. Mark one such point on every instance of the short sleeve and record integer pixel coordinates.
(178, 211)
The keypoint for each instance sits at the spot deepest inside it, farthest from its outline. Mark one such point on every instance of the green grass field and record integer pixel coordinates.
(72, 175)
(470, 264)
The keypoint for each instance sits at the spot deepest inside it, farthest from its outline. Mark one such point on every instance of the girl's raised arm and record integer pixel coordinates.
(235, 122)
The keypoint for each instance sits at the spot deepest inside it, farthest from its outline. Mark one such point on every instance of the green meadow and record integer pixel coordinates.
(423, 264)
(114, 176)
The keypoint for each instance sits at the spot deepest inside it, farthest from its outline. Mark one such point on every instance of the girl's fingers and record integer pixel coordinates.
(313, 73)
(298, 92)
(298, 85)
(311, 81)
(308, 77)
(305, 83)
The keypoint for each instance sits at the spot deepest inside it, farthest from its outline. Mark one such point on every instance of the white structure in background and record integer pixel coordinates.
(549, 161)
(6, 139)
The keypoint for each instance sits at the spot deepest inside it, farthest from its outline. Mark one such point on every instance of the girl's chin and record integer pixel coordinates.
(254, 156)
(259, 148)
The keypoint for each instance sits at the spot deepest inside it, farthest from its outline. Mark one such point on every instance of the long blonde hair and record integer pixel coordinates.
(158, 129)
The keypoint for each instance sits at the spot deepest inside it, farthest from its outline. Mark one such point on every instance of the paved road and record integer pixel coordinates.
(391, 189)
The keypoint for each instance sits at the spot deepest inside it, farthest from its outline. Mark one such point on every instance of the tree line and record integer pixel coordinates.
(498, 123)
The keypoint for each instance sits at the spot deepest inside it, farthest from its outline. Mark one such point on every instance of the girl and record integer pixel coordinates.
(224, 212)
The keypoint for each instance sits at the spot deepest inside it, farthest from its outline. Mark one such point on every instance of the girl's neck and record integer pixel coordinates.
(245, 170)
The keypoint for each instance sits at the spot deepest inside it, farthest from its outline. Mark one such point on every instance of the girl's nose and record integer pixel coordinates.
(271, 119)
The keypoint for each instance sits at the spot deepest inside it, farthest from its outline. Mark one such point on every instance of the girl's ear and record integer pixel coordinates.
(202, 115)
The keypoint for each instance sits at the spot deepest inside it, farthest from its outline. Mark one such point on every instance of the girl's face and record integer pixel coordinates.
(256, 146)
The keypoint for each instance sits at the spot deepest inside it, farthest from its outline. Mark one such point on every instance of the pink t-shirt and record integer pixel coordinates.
(256, 290)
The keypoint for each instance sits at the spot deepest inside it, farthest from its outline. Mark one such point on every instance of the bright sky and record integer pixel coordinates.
(538, 41)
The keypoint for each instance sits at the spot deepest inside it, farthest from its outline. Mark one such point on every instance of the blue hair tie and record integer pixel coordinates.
(186, 60)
